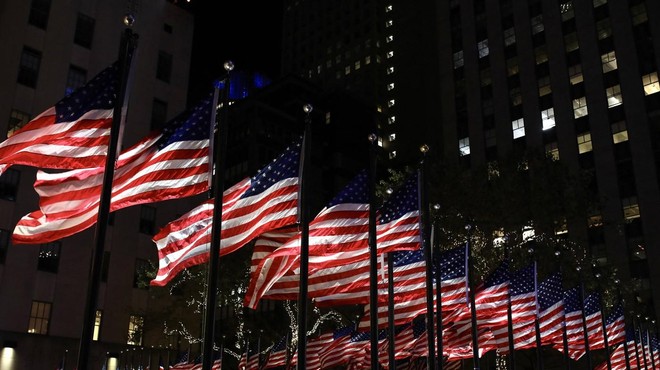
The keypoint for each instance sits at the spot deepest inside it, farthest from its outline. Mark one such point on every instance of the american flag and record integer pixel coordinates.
(453, 279)
(397, 229)
(618, 355)
(277, 355)
(573, 324)
(167, 164)
(250, 360)
(315, 347)
(551, 309)
(265, 202)
(74, 133)
(593, 315)
(337, 352)
(523, 312)
(615, 325)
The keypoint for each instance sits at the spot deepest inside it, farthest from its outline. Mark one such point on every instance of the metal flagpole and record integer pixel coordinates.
(567, 359)
(438, 291)
(373, 254)
(127, 48)
(537, 328)
(604, 324)
(473, 305)
(423, 213)
(218, 151)
(390, 311)
(509, 313)
(584, 325)
(304, 237)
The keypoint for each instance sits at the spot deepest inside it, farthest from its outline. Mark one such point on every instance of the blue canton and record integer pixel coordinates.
(523, 280)
(192, 124)
(99, 93)
(283, 167)
(550, 291)
(404, 200)
(357, 191)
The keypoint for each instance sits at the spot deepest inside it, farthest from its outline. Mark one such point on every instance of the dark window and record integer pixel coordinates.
(140, 279)
(28, 71)
(76, 78)
(167, 28)
(49, 257)
(4, 244)
(158, 114)
(164, 67)
(39, 10)
(84, 31)
(17, 119)
(9, 184)
(147, 220)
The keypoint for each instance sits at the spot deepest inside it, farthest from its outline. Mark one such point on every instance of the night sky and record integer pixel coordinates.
(247, 32)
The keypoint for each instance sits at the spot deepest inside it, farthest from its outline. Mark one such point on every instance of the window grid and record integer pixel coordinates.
(135, 330)
(28, 70)
(630, 208)
(609, 61)
(580, 107)
(464, 146)
(614, 97)
(548, 118)
(650, 82)
(619, 132)
(482, 47)
(17, 119)
(39, 317)
(584, 143)
(518, 128)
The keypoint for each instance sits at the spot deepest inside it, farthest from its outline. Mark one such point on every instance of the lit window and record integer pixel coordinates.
(509, 36)
(389, 23)
(650, 82)
(638, 14)
(512, 66)
(580, 107)
(584, 143)
(328, 117)
(537, 24)
(39, 317)
(614, 97)
(49, 257)
(518, 127)
(541, 54)
(619, 132)
(347, 70)
(571, 42)
(388, 8)
(567, 11)
(609, 61)
(97, 325)
(367, 59)
(390, 103)
(390, 86)
(630, 208)
(318, 69)
(548, 118)
(391, 120)
(575, 74)
(392, 137)
(604, 28)
(458, 59)
(357, 65)
(552, 150)
(135, 330)
(491, 139)
(389, 39)
(377, 58)
(464, 146)
(598, 3)
(390, 54)
(482, 47)
(390, 70)
(544, 86)
(17, 119)
(516, 96)
(393, 154)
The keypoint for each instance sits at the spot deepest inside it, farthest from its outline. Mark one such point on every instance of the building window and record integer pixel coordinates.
(512, 66)
(390, 86)
(541, 54)
(614, 97)
(391, 119)
(609, 61)
(142, 268)
(630, 208)
(39, 317)
(552, 150)
(356, 67)
(49, 257)
(392, 154)
(388, 8)
(567, 11)
(571, 42)
(390, 70)
(389, 23)
(584, 143)
(638, 14)
(392, 137)
(464, 146)
(518, 127)
(390, 103)
(17, 119)
(458, 59)
(135, 330)
(537, 24)
(328, 118)
(367, 59)
(604, 28)
(390, 54)
(575, 74)
(544, 86)
(580, 107)
(28, 70)
(389, 38)
(482, 47)
(147, 220)
(76, 78)
(158, 114)
(4, 245)
(619, 132)
(509, 36)
(39, 11)
(164, 67)
(516, 96)
(491, 138)
(347, 70)
(97, 325)
(598, 3)
(650, 82)
(548, 118)
(84, 33)
(9, 184)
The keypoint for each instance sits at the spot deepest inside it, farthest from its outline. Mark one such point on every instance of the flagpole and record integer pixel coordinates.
(473, 305)
(373, 255)
(423, 213)
(438, 291)
(584, 323)
(509, 312)
(304, 237)
(597, 275)
(564, 335)
(219, 140)
(639, 365)
(127, 47)
(390, 311)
